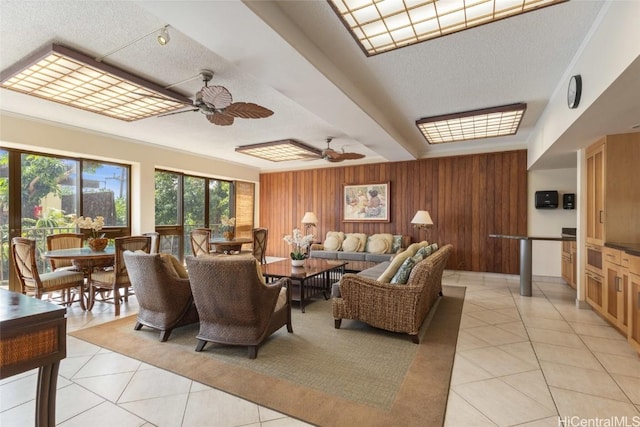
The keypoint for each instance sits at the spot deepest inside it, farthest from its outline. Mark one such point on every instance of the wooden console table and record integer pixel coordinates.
(33, 335)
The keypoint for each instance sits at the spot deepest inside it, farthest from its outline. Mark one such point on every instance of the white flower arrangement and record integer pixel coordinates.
(95, 225)
(298, 243)
(227, 224)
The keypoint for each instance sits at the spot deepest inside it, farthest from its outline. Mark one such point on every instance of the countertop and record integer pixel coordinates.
(630, 248)
(561, 238)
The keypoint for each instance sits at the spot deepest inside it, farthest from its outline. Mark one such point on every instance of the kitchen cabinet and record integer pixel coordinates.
(612, 189)
(616, 276)
(633, 303)
(569, 264)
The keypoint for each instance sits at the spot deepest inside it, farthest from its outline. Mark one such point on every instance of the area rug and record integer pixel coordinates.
(319, 374)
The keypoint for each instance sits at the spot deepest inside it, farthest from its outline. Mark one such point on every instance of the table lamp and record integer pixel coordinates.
(309, 220)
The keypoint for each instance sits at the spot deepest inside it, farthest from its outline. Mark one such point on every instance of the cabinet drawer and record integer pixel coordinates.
(612, 255)
(625, 259)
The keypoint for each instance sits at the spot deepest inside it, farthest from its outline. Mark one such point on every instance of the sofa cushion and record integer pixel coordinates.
(333, 240)
(379, 243)
(377, 257)
(324, 254)
(352, 256)
(402, 275)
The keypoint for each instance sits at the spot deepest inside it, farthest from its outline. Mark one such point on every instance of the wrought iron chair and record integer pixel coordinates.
(234, 304)
(34, 283)
(117, 278)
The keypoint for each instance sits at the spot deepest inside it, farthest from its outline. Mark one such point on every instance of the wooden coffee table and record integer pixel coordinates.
(314, 278)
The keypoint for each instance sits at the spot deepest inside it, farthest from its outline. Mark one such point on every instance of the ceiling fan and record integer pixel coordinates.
(334, 156)
(217, 104)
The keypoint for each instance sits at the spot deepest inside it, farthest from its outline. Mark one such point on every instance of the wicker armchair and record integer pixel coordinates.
(396, 308)
(163, 292)
(235, 306)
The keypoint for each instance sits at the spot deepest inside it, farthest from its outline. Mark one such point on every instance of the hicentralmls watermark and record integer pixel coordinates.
(622, 421)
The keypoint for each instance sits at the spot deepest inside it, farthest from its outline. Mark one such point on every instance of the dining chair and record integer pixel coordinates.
(260, 236)
(155, 241)
(34, 283)
(64, 241)
(200, 238)
(117, 278)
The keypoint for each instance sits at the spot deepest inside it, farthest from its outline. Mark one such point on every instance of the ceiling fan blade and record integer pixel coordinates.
(217, 97)
(247, 110)
(220, 119)
(179, 112)
(351, 156)
(334, 159)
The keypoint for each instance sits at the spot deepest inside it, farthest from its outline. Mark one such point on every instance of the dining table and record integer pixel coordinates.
(222, 245)
(85, 259)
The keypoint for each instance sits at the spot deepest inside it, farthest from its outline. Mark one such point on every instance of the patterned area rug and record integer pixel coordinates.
(319, 374)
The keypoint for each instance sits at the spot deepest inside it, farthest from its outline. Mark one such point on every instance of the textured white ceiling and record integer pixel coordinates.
(296, 58)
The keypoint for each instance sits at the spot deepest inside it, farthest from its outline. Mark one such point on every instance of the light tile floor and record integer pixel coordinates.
(529, 361)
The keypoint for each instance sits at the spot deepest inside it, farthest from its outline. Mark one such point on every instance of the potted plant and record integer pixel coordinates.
(97, 242)
(227, 227)
(299, 244)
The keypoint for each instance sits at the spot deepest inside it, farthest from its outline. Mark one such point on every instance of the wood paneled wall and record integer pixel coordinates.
(468, 198)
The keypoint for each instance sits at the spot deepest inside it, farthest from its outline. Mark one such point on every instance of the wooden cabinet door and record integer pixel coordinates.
(595, 294)
(595, 193)
(633, 304)
(616, 295)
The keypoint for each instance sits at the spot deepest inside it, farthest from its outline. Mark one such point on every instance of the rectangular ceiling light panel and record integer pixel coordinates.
(68, 77)
(382, 25)
(477, 124)
(280, 151)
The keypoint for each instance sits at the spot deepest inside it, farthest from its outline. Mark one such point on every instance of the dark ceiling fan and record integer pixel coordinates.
(334, 156)
(216, 103)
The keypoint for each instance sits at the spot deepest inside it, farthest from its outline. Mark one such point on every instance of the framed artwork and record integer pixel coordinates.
(366, 202)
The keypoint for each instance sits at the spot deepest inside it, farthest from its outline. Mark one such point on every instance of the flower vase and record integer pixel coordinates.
(297, 262)
(97, 244)
(229, 235)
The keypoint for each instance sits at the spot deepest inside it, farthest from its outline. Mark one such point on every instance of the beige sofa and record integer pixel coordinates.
(359, 246)
(393, 307)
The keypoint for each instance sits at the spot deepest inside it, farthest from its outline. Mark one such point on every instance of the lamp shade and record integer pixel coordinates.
(422, 218)
(309, 218)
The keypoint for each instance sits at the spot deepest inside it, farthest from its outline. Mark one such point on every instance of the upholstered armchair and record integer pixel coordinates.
(235, 305)
(162, 288)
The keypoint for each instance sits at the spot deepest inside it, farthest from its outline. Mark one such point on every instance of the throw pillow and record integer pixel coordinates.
(396, 243)
(362, 241)
(333, 241)
(374, 240)
(174, 265)
(394, 265)
(425, 251)
(377, 246)
(350, 244)
(403, 273)
(165, 258)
